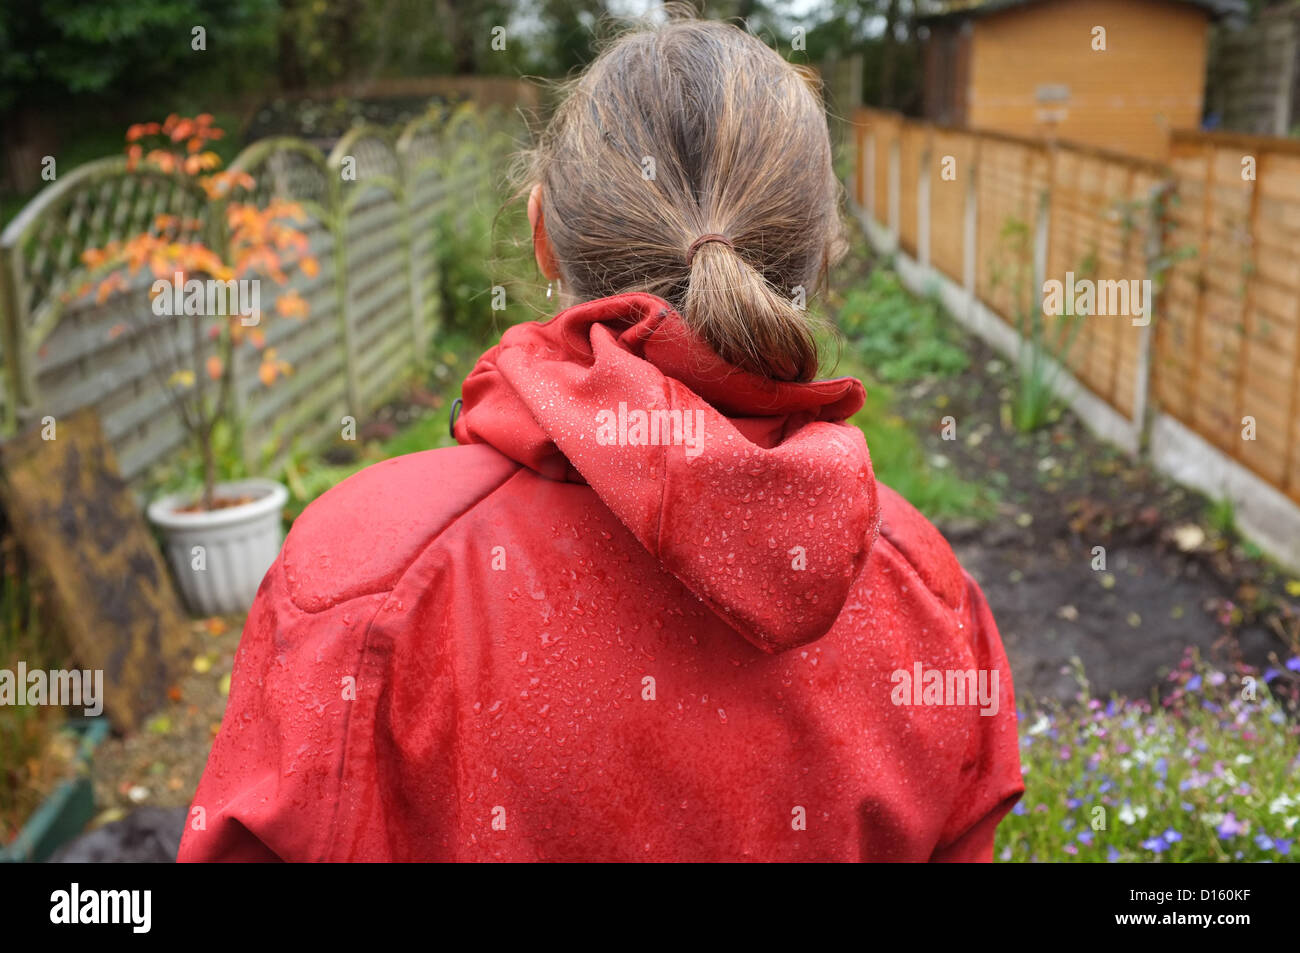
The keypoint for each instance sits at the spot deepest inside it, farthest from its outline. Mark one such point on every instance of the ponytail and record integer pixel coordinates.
(692, 162)
(747, 321)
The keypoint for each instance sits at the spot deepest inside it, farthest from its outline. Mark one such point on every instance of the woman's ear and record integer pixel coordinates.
(541, 244)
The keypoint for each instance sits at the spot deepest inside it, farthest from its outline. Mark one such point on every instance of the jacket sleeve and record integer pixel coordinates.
(271, 785)
(994, 779)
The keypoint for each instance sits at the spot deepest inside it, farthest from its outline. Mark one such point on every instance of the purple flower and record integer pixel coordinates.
(1263, 842)
(1293, 663)
(1073, 803)
(1112, 855)
(1283, 846)
(1154, 844)
(1270, 673)
(1085, 837)
(1230, 827)
(1216, 678)
(1194, 683)
(1071, 849)
(1171, 836)
(1020, 809)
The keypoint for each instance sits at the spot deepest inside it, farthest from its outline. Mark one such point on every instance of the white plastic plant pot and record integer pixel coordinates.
(219, 557)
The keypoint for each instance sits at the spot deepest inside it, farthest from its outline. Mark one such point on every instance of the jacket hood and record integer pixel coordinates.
(752, 492)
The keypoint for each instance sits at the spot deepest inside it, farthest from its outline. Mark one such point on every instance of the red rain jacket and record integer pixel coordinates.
(595, 633)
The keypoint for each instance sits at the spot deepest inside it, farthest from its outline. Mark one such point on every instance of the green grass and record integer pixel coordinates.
(1208, 775)
(307, 476)
(899, 460)
(893, 338)
(899, 336)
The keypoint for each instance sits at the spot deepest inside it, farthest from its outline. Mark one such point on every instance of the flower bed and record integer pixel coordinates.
(1208, 774)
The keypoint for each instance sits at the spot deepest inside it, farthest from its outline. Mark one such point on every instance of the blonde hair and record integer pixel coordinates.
(680, 131)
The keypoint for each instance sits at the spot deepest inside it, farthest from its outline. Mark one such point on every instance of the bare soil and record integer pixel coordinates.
(1171, 578)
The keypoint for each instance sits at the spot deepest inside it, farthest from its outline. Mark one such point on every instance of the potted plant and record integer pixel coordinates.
(204, 306)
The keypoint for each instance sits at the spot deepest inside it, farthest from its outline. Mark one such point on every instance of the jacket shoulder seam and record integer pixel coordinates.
(365, 649)
(916, 573)
(414, 558)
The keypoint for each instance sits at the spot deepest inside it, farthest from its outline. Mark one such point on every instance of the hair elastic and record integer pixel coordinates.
(704, 240)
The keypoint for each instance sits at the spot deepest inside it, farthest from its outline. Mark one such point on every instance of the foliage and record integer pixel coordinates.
(56, 50)
(897, 456)
(1206, 775)
(257, 241)
(899, 462)
(25, 730)
(478, 250)
(897, 336)
(884, 32)
(307, 475)
(1221, 514)
(184, 470)
(463, 243)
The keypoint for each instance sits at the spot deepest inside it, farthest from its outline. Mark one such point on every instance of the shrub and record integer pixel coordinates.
(898, 336)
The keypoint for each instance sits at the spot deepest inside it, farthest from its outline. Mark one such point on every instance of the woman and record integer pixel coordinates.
(654, 606)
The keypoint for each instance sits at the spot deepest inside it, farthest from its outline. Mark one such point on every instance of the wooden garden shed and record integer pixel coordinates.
(1115, 74)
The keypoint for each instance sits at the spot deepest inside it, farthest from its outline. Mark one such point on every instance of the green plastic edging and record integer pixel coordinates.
(64, 814)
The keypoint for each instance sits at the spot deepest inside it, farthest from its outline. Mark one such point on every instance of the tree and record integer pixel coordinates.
(56, 49)
(197, 374)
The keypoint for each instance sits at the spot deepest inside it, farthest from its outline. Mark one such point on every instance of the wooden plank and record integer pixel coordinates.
(74, 516)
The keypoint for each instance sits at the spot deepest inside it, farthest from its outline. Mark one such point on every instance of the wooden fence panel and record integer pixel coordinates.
(1228, 346)
(372, 211)
(1098, 231)
(378, 299)
(1270, 376)
(1011, 181)
(426, 190)
(308, 405)
(948, 200)
(1177, 341)
(883, 129)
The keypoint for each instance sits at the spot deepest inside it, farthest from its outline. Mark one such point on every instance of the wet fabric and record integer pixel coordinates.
(653, 607)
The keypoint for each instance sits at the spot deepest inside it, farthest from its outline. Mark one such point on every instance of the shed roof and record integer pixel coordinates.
(961, 9)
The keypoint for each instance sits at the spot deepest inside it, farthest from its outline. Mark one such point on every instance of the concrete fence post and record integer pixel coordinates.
(970, 253)
(895, 189)
(923, 209)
